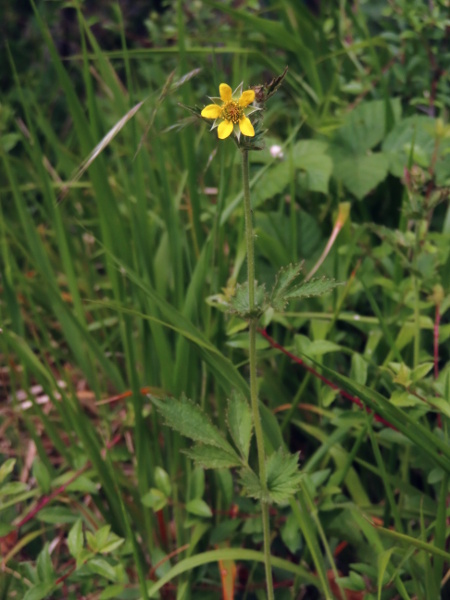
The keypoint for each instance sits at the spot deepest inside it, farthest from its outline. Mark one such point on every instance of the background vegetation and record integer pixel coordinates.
(114, 273)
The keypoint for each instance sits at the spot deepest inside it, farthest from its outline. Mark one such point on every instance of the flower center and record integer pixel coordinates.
(231, 111)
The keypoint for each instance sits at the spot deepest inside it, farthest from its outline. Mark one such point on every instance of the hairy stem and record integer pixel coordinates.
(253, 380)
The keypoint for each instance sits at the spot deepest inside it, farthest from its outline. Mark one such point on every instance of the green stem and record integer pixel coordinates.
(253, 380)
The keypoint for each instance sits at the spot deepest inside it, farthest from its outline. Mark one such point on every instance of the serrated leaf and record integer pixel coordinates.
(75, 538)
(211, 457)
(286, 280)
(283, 476)
(314, 287)
(240, 423)
(240, 302)
(251, 485)
(188, 419)
(421, 371)
(199, 508)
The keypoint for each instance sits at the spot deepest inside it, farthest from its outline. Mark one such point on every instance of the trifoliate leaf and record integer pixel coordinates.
(211, 457)
(188, 419)
(240, 302)
(240, 423)
(283, 476)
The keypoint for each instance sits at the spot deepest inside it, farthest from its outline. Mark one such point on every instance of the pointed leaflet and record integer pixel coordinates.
(251, 485)
(240, 423)
(211, 457)
(189, 420)
(240, 302)
(289, 287)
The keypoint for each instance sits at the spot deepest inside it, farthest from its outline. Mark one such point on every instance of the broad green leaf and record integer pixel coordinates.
(199, 508)
(283, 476)
(359, 368)
(188, 419)
(75, 538)
(360, 173)
(211, 457)
(240, 423)
(310, 157)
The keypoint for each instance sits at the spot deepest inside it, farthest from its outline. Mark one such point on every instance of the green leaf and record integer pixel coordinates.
(6, 468)
(44, 565)
(285, 281)
(56, 515)
(290, 534)
(240, 423)
(162, 481)
(75, 539)
(360, 173)
(154, 499)
(211, 457)
(359, 369)
(102, 567)
(421, 371)
(188, 419)
(289, 287)
(240, 302)
(112, 591)
(383, 561)
(251, 485)
(41, 591)
(42, 475)
(199, 508)
(283, 476)
(310, 156)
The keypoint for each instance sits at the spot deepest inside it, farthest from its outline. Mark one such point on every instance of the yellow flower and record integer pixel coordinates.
(231, 111)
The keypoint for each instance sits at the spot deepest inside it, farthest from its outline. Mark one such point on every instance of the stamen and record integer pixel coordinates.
(232, 112)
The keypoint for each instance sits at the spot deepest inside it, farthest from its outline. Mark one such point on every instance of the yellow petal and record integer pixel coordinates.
(212, 111)
(224, 129)
(247, 98)
(225, 92)
(246, 127)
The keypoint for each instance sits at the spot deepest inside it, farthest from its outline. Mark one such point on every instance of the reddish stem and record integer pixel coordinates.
(332, 385)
